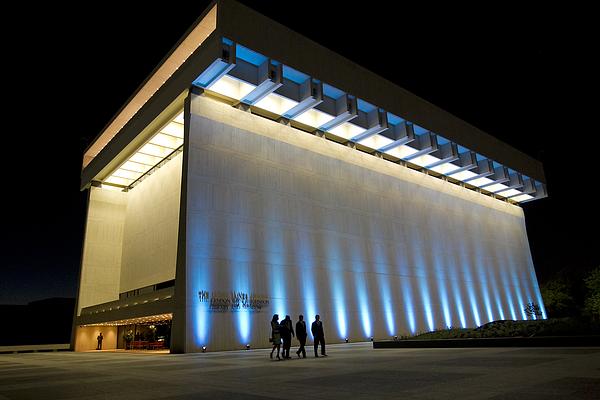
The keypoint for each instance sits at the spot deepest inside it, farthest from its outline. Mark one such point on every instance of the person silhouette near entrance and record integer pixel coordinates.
(99, 338)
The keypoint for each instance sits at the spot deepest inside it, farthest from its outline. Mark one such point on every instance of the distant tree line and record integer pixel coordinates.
(571, 295)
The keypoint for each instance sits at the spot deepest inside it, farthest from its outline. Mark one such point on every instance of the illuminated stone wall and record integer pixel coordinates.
(131, 237)
(316, 227)
(101, 261)
(151, 228)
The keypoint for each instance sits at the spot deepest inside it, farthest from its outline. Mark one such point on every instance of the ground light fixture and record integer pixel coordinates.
(395, 337)
(346, 340)
(204, 349)
(248, 346)
(371, 338)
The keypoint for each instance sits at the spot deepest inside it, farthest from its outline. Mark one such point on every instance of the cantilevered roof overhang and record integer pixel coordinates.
(283, 75)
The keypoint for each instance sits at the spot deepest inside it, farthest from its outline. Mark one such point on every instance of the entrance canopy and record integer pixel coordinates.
(150, 319)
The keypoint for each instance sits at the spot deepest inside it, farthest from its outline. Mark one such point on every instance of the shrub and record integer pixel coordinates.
(592, 302)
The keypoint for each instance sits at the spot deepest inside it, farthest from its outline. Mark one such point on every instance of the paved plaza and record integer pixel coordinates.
(352, 371)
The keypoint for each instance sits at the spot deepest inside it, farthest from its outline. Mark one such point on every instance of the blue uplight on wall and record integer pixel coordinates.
(304, 260)
(442, 287)
(466, 269)
(201, 274)
(426, 300)
(459, 304)
(337, 286)
(409, 309)
(340, 308)
(536, 291)
(366, 319)
(363, 301)
(387, 302)
(243, 320)
(384, 284)
(274, 245)
(456, 295)
(517, 289)
(360, 283)
(444, 300)
(474, 303)
(497, 297)
(238, 242)
(508, 294)
(485, 292)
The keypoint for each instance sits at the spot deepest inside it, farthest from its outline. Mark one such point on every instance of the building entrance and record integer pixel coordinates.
(148, 336)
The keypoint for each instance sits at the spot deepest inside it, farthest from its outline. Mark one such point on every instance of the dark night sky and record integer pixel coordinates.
(523, 75)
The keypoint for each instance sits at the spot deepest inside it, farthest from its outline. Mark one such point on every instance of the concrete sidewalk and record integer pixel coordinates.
(352, 371)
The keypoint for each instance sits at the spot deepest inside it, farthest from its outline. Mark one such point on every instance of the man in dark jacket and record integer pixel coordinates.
(99, 338)
(287, 332)
(301, 335)
(317, 331)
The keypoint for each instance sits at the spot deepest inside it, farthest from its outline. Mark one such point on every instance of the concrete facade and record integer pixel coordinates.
(102, 250)
(376, 249)
(150, 232)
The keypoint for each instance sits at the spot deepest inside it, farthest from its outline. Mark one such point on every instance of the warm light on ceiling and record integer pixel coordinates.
(401, 151)
(161, 145)
(446, 168)
(314, 118)
(496, 187)
(347, 130)
(480, 182)
(463, 175)
(424, 160)
(140, 320)
(509, 193)
(522, 197)
(231, 87)
(376, 141)
(276, 104)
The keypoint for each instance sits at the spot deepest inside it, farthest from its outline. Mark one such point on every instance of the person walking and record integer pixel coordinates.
(287, 331)
(275, 335)
(319, 334)
(99, 339)
(301, 335)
